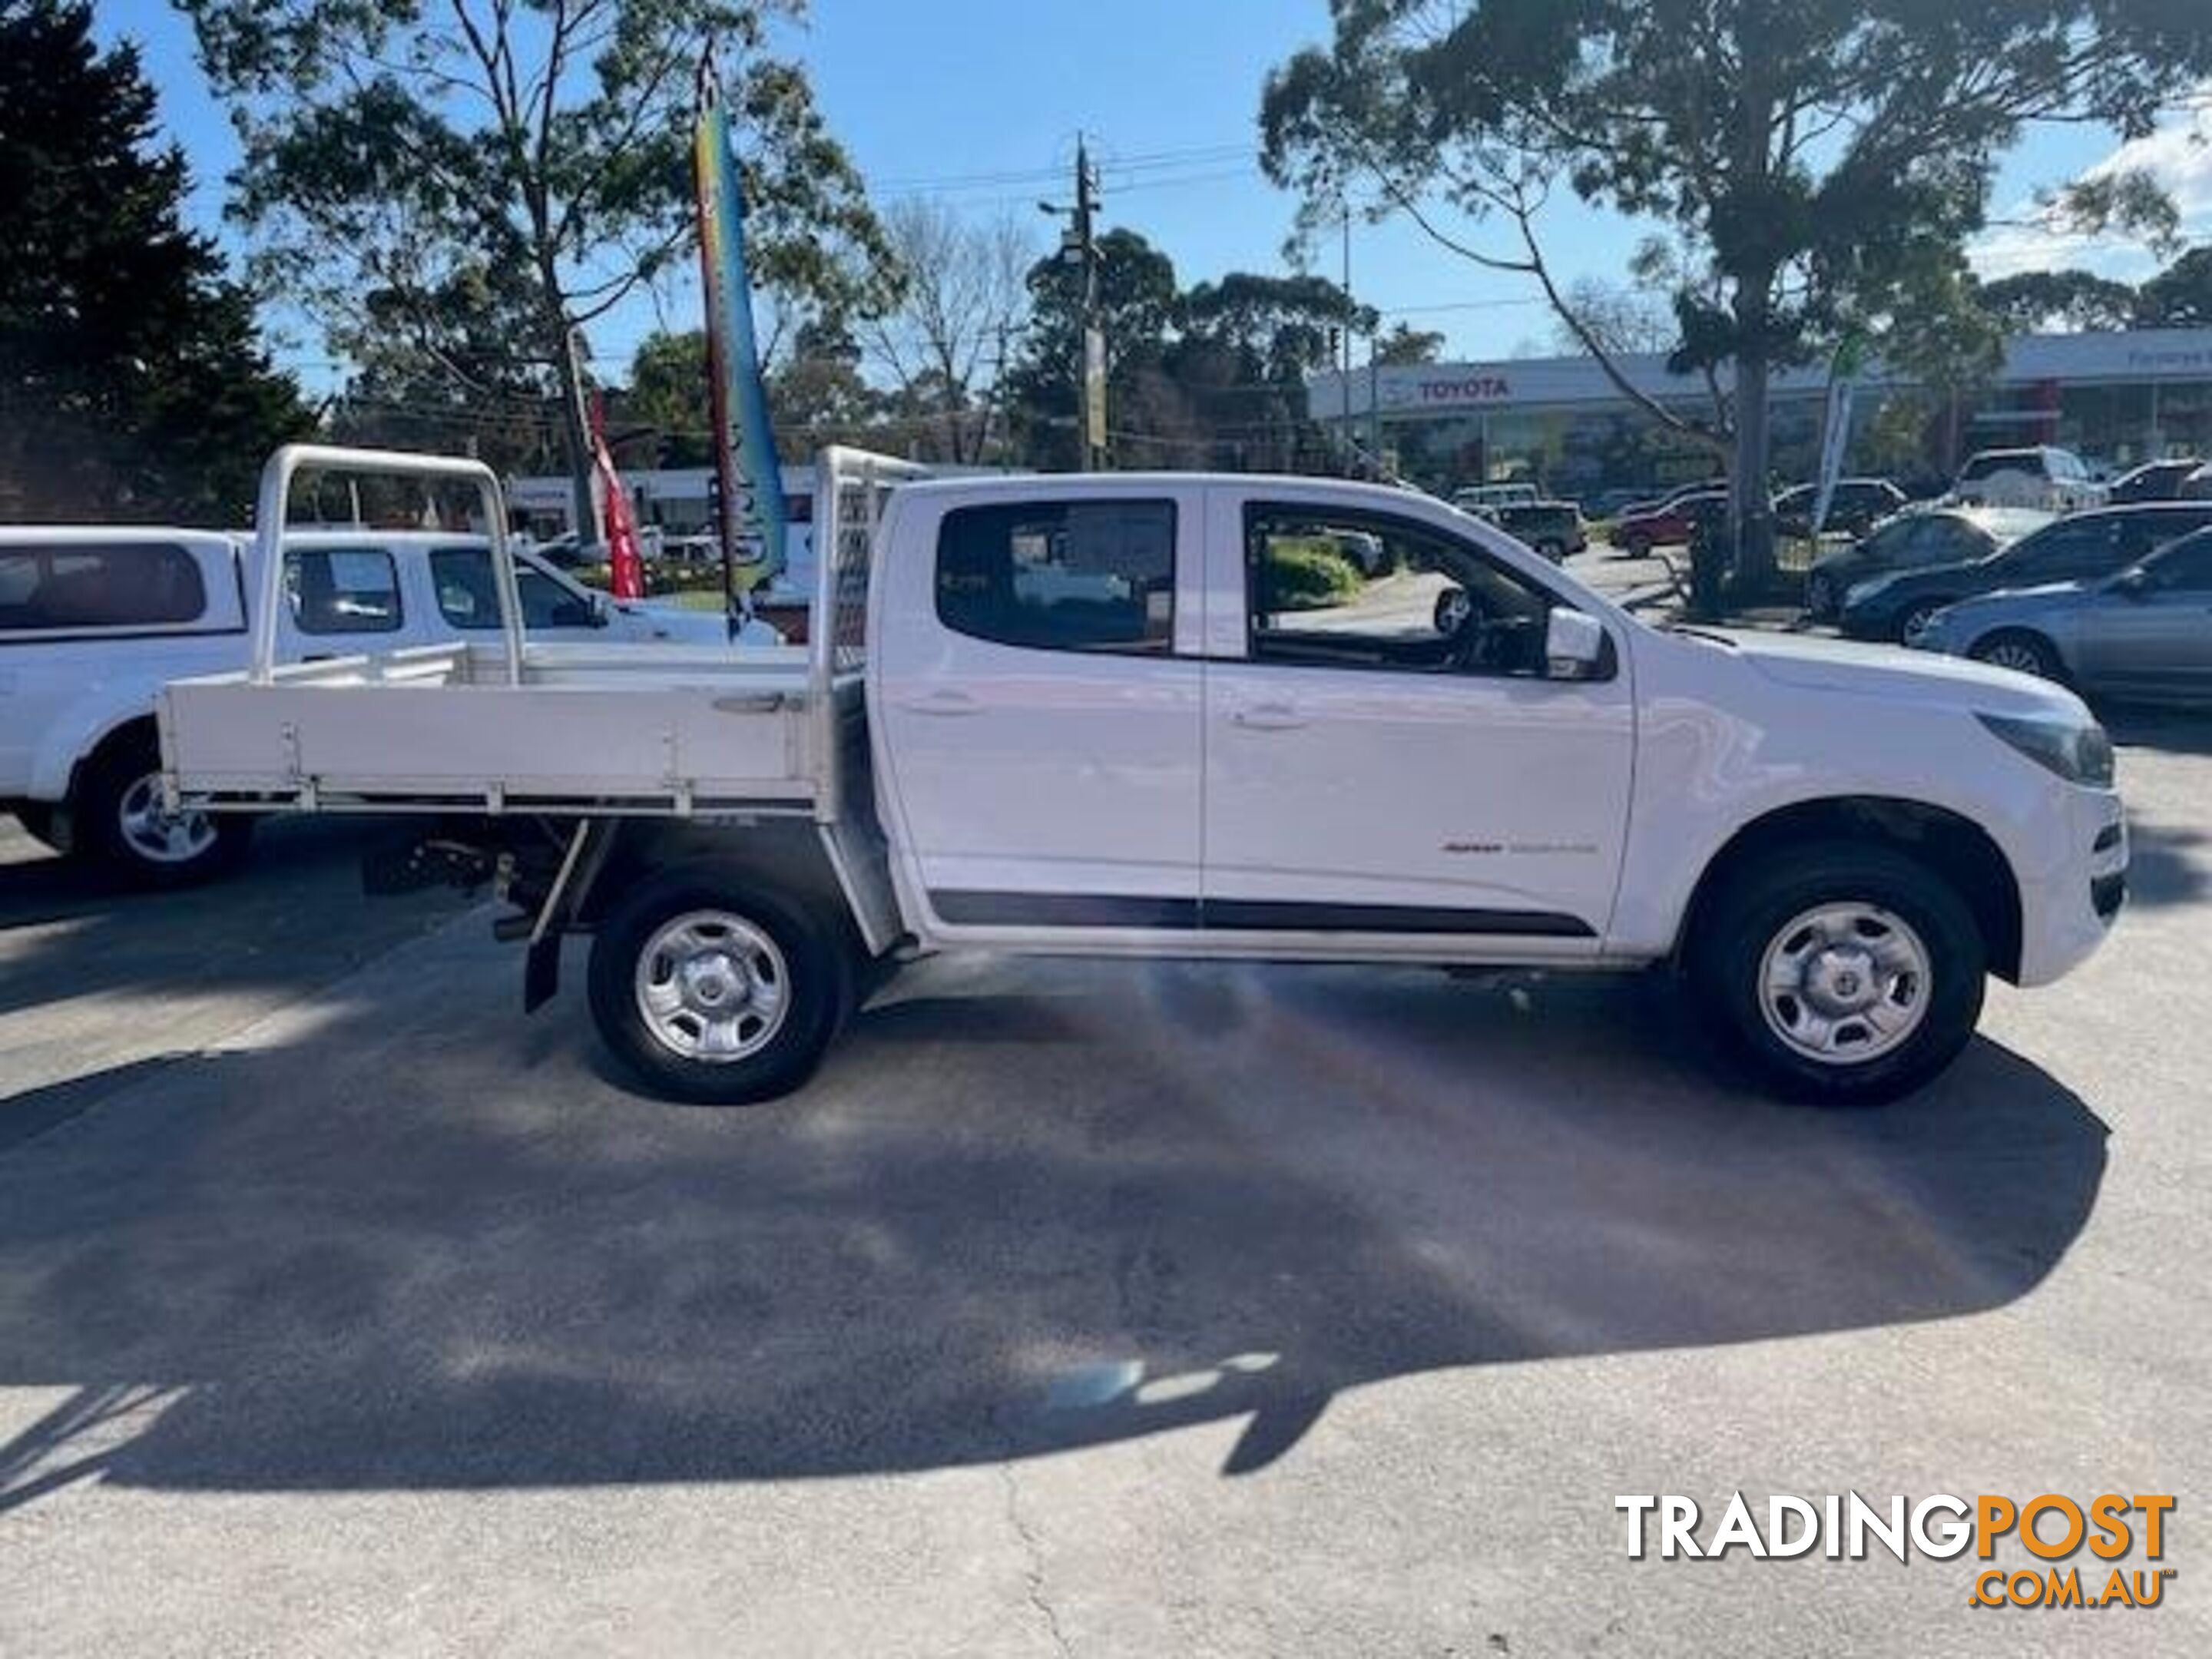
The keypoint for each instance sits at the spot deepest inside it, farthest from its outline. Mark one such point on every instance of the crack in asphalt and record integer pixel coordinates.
(1033, 1570)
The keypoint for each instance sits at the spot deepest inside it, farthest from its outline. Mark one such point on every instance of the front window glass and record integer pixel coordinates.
(1360, 591)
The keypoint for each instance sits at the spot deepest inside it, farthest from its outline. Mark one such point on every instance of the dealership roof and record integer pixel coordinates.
(1410, 391)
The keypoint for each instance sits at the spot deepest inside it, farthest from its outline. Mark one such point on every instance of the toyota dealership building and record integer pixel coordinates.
(2116, 399)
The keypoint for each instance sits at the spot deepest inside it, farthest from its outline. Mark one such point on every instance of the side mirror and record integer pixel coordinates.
(2132, 584)
(1574, 644)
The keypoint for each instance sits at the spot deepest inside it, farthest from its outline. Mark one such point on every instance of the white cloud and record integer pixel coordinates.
(2177, 153)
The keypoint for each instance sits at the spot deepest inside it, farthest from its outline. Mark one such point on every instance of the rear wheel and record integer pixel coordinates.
(716, 993)
(118, 820)
(1841, 974)
(1637, 545)
(2023, 653)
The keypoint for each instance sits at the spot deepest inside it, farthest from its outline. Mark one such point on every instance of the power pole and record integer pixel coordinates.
(1078, 247)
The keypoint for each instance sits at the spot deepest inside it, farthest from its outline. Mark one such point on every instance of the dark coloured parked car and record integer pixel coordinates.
(1854, 506)
(1554, 528)
(2081, 547)
(1914, 540)
(2145, 634)
(2154, 481)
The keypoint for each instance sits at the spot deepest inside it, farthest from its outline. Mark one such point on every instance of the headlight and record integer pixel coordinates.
(2079, 752)
(1860, 592)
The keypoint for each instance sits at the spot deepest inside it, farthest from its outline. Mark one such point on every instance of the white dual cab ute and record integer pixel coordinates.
(1160, 716)
(95, 619)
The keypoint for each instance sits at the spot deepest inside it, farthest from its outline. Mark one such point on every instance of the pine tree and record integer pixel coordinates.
(132, 382)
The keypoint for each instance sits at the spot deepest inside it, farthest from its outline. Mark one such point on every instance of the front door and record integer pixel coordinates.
(1036, 700)
(2153, 637)
(1387, 757)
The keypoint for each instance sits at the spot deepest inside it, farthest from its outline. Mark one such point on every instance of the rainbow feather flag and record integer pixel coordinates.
(745, 461)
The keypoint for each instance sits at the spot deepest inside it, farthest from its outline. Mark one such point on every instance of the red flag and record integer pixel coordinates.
(625, 563)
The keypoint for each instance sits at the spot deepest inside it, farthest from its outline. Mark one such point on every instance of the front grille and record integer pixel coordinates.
(2108, 893)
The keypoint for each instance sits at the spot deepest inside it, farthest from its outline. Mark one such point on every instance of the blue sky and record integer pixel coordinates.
(929, 96)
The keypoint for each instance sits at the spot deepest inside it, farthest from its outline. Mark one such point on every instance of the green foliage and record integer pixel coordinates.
(2037, 301)
(2180, 296)
(455, 189)
(132, 383)
(1308, 574)
(1819, 162)
(1213, 376)
(1405, 345)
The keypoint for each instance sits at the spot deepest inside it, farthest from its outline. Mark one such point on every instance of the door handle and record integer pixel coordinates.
(943, 703)
(1268, 717)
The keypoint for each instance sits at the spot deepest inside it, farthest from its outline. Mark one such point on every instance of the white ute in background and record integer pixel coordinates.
(1166, 715)
(95, 619)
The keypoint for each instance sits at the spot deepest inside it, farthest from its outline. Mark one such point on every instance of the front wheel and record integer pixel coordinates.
(715, 992)
(1917, 617)
(1841, 974)
(1820, 595)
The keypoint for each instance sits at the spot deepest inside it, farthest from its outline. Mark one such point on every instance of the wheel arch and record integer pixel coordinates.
(1953, 846)
(120, 731)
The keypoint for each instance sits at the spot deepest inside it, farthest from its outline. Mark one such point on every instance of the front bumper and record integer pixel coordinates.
(2069, 907)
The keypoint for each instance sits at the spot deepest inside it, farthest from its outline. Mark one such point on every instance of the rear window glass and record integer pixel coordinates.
(2004, 460)
(342, 590)
(1060, 576)
(122, 585)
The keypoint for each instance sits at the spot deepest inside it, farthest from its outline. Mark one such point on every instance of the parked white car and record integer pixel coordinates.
(95, 620)
(1220, 759)
(2043, 477)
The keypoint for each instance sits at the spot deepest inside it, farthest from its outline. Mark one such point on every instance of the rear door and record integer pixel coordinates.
(1035, 700)
(1385, 757)
(342, 599)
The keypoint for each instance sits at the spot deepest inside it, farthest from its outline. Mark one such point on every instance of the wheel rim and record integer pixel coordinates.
(1817, 596)
(157, 834)
(712, 986)
(1452, 614)
(1844, 983)
(1917, 618)
(2016, 654)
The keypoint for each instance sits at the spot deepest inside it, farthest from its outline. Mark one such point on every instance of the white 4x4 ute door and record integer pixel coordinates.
(1388, 764)
(1036, 702)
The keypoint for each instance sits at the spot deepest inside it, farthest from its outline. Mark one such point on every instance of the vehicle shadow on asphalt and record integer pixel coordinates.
(295, 908)
(2167, 863)
(399, 1243)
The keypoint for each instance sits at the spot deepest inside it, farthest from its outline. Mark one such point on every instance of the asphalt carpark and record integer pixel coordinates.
(1075, 1308)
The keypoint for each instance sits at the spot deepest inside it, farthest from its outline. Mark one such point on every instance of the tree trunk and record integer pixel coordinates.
(575, 417)
(1751, 505)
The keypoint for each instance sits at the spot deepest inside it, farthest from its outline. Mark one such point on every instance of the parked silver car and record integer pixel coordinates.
(2145, 634)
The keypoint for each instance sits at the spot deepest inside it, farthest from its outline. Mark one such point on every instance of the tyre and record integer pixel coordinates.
(1554, 550)
(2024, 653)
(1915, 616)
(1839, 973)
(716, 992)
(1820, 595)
(1637, 545)
(118, 821)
